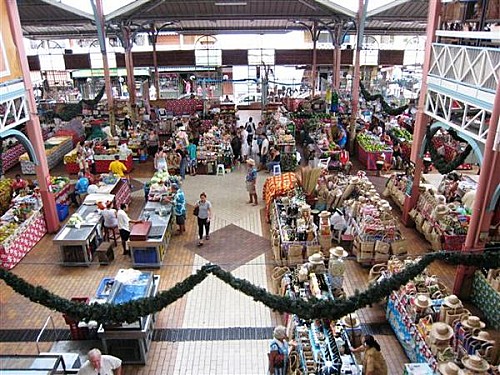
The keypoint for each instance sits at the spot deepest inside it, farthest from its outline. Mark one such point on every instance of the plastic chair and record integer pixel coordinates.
(276, 170)
(323, 163)
(221, 170)
(107, 231)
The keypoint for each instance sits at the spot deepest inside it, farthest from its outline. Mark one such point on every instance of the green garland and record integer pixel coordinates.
(315, 308)
(93, 102)
(385, 106)
(438, 160)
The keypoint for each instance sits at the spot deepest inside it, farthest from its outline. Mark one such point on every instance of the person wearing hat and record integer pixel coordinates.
(179, 203)
(251, 181)
(278, 352)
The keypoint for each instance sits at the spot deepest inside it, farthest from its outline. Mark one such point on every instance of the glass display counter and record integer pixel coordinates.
(129, 341)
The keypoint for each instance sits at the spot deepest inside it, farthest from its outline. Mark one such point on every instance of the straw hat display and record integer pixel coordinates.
(473, 322)
(449, 368)
(475, 363)
(440, 211)
(316, 258)
(422, 301)
(305, 207)
(324, 214)
(338, 251)
(441, 331)
(452, 301)
(351, 321)
(440, 199)
(483, 336)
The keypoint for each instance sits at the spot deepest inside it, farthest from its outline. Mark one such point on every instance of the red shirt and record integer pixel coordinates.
(17, 185)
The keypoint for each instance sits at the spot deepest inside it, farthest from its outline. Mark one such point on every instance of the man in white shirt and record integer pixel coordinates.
(124, 226)
(101, 364)
(264, 151)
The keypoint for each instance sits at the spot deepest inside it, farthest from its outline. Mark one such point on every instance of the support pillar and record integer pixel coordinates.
(129, 64)
(488, 182)
(33, 127)
(101, 34)
(422, 119)
(154, 39)
(336, 72)
(315, 36)
(361, 17)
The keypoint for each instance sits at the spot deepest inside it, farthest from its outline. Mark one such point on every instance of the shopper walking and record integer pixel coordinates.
(181, 152)
(160, 161)
(278, 352)
(192, 163)
(245, 148)
(118, 168)
(373, 360)
(153, 143)
(264, 151)
(250, 128)
(204, 215)
(102, 364)
(251, 181)
(124, 226)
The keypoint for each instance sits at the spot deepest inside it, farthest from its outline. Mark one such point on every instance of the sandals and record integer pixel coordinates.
(200, 243)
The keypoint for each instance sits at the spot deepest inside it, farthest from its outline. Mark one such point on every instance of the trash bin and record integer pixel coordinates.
(62, 211)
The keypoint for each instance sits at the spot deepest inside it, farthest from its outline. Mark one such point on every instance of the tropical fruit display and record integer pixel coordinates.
(370, 143)
(5, 194)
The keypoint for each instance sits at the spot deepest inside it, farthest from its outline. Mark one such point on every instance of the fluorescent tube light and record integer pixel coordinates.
(229, 3)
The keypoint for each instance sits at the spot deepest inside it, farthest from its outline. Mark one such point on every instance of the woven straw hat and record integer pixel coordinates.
(316, 258)
(338, 251)
(441, 199)
(452, 301)
(483, 336)
(251, 161)
(422, 301)
(351, 321)
(473, 322)
(441, 209)
(449, 368)
(475, 363)
(441, 331)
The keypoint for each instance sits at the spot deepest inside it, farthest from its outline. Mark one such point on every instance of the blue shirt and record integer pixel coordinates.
(191, 149)
(251, 175)
(179, 203)
(82, 185)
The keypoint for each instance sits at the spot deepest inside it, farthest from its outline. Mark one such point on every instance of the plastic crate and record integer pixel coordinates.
(62, 211)
(149, 255)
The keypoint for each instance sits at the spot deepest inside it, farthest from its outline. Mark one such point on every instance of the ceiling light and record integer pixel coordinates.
(230, 3)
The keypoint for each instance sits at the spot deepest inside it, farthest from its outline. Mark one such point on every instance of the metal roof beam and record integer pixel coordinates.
(69, 8)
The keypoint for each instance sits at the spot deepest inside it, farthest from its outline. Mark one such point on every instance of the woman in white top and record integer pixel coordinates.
(204, 215)
(161, 161)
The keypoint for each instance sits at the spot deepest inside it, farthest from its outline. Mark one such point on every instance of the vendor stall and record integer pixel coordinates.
(130, 342)
(148, 249)
(322, 345)
(213, 149)
(13, 150)
(16, 240)
(434, 327)
(370, 150)
(294, 233)
(55, 149)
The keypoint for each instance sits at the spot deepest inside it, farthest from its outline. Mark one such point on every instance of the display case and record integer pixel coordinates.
(129, 341)
(151, 251)
(78, 243)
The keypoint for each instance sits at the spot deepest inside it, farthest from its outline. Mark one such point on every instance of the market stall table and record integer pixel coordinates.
(78, 243)
(150, 250)
(128, 341)
(369, 158)
(22, 240)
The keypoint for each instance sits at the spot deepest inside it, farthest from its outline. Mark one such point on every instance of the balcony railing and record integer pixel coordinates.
(473, 66)
(13, 105)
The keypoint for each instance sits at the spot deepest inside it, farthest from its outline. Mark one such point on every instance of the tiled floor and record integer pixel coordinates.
(240, 242)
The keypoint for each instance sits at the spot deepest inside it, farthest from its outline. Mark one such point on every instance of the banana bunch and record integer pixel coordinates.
(5, 194)
(70, 157)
